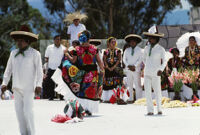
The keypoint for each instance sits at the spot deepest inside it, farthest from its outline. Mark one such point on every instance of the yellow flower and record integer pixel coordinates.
(73, 70)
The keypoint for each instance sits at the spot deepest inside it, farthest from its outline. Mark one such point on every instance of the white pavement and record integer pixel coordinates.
(111, 120)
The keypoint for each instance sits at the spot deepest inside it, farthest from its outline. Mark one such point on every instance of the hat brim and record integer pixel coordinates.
(95, 42)
(135, 37)
(24, 35)
(153, 35)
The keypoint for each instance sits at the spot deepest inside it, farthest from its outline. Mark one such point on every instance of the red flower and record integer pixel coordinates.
(90, 92)
(92, 49)
(64, 71)
(95, 73)
(87, 59)
(80, 50)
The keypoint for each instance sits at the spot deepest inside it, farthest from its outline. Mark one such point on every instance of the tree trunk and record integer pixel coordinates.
(110, 31)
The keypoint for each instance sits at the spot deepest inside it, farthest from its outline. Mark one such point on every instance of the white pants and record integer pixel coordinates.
(155, 83)
(134, 79)
(24, 111)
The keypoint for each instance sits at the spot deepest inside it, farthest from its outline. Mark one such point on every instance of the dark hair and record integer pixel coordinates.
(110, 39)
(175, 50)
(192, 37)
(87, 33)
(76, 42)
(56, 37)
(156, 38)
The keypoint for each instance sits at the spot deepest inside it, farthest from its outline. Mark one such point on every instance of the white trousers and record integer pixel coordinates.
(134, 79)
(155, 83)
(24, 111)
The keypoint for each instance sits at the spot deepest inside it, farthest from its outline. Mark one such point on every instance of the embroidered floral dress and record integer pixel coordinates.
(191, 59)
(112, 78)
(82, 78)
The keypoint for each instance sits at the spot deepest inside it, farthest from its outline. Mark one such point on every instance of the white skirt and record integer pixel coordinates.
(63, 89)
(106, 95)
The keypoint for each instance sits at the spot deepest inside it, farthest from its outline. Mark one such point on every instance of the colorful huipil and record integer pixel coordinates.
(191, 59)
(83, 78)
(112, 79)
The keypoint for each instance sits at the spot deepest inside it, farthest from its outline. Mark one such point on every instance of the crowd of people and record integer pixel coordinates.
(90, 75)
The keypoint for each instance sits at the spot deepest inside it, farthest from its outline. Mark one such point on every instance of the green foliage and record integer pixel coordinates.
(13, 14)
(195, 3)
(177, 85)
(117, 17)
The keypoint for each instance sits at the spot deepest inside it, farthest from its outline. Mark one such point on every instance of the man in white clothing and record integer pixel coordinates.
(154, 60)
(75, 26)
(132, 59)
(25, 66)
(53, 56)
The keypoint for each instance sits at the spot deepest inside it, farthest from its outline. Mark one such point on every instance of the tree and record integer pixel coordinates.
(117, 17)
(13, 14)
(195, 3)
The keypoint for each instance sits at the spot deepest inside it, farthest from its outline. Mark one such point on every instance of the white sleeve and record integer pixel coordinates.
(39, 70)
(69, 30)
(84, 28)
(140, 58)
(125, 58)
(8, 71)
(145, 54)
(47, 52)
(164, 62)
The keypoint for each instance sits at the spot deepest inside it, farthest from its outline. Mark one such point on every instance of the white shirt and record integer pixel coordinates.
(54, 55)
(134, 60)
(74, 31)
(156, 61)
(26, 70)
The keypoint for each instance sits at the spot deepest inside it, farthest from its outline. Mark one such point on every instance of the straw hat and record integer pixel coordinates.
(95, 42)
(153, 32)
(24, 33)
(133, 37)
(76, 15)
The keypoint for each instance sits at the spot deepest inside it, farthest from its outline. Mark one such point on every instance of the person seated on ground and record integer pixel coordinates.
(174, 64)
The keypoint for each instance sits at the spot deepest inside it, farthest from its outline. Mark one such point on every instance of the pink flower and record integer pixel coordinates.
(75, 87)
(88, 77)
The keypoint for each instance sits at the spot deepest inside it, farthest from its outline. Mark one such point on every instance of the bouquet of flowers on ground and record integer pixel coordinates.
(176, 81)
(191, 78)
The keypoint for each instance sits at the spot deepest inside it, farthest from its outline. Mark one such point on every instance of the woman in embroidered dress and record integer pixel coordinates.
(112, 62)
(192, 54)
(81, 80)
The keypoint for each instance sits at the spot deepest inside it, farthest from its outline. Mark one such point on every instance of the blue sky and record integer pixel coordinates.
(175, 17)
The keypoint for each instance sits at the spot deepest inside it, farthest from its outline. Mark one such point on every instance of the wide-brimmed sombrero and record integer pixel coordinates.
(135, 37)
(24, 33)
(76, 15)
(95, 42)
(153, 32)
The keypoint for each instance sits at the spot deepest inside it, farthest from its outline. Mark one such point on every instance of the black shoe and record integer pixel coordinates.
(88, 113)
(150, 113)
(51, 99)
(159, 113)
(130, 102)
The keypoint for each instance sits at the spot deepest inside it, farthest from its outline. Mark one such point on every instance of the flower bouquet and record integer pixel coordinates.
(176, 82)
(192, 80)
